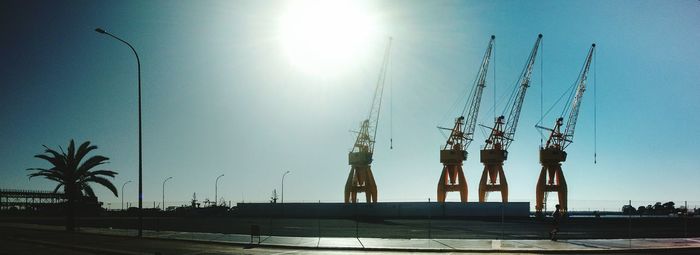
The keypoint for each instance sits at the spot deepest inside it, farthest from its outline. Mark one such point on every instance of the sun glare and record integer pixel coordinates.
(325, 36)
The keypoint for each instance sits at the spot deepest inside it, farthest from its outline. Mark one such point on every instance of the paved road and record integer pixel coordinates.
(33, 242)
(37, 241)
(519, 229)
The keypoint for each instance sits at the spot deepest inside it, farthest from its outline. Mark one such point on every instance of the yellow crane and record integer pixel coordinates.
(360, 159)
(461, 135)
(495, 152)
(551, 177)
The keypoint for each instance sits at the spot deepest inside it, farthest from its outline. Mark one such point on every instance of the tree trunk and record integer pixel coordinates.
(70, 213)
(70, 216)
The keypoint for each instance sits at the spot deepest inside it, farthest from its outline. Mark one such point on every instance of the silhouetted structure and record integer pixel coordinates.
(47, 203)
(30, 199)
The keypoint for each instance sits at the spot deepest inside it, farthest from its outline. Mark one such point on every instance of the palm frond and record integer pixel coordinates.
(37, 169)
(53, 152)
(71, 151)
(90, 163)
(57, 187)
(101, 172)
(46, 172)
(83, 150)
(88, 190)
(56, 179)
(56, 161)
(104, 182)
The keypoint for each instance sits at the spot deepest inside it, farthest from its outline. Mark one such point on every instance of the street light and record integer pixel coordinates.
(285, 174)
(138, 66)
(123, 194)
(164, 191)
(216, 189)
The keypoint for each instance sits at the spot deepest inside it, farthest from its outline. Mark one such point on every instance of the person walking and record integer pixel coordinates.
(556, 217)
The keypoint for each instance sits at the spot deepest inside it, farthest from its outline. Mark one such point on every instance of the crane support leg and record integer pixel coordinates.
(539, 191)
(493, 179)
(551, 179)
(371, 186)
(360, 180)
(562, 189)
(452, 179)
(348, 187)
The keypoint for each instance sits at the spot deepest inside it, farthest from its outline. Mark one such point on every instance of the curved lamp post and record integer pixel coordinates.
(285, 174)
(163, 204)
(138, 66)
(123, 194)
(216, 189)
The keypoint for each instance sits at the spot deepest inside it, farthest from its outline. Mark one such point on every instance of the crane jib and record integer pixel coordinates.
(463, 130)
(368, 128)
(503, 133)
(560, 140)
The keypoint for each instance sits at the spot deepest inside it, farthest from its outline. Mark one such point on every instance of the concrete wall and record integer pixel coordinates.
(385, 210)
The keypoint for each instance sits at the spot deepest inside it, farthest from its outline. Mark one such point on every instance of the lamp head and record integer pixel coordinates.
(100, 30)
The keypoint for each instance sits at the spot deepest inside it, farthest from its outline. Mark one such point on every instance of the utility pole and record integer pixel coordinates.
(216, 188)
(285, 174)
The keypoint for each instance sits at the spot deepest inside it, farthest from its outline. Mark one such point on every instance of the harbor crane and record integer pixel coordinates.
(551, 177)
(461, 135)
(360, 178)
(502, 135)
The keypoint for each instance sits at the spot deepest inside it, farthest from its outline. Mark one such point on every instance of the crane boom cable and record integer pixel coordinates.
(469, 97)
(391, 109)
(557, 102)
(569, 98)
(571, 90)
(595, 110)
(541, 90)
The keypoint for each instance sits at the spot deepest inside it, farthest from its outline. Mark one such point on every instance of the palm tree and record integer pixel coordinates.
(74, 177)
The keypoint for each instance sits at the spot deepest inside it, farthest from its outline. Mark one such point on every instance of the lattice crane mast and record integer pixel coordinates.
(551, 177)
(360, 178)
(455, 150)
(502, 134)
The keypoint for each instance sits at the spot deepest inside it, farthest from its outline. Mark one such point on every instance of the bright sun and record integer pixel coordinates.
(324, 35)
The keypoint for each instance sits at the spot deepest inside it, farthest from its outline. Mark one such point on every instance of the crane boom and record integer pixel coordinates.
(368, 129)
(557, 139)
(473, 113)
(512, 122)
(576, 103)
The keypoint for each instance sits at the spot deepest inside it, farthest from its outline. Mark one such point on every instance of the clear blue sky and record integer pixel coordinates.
(221, 95)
